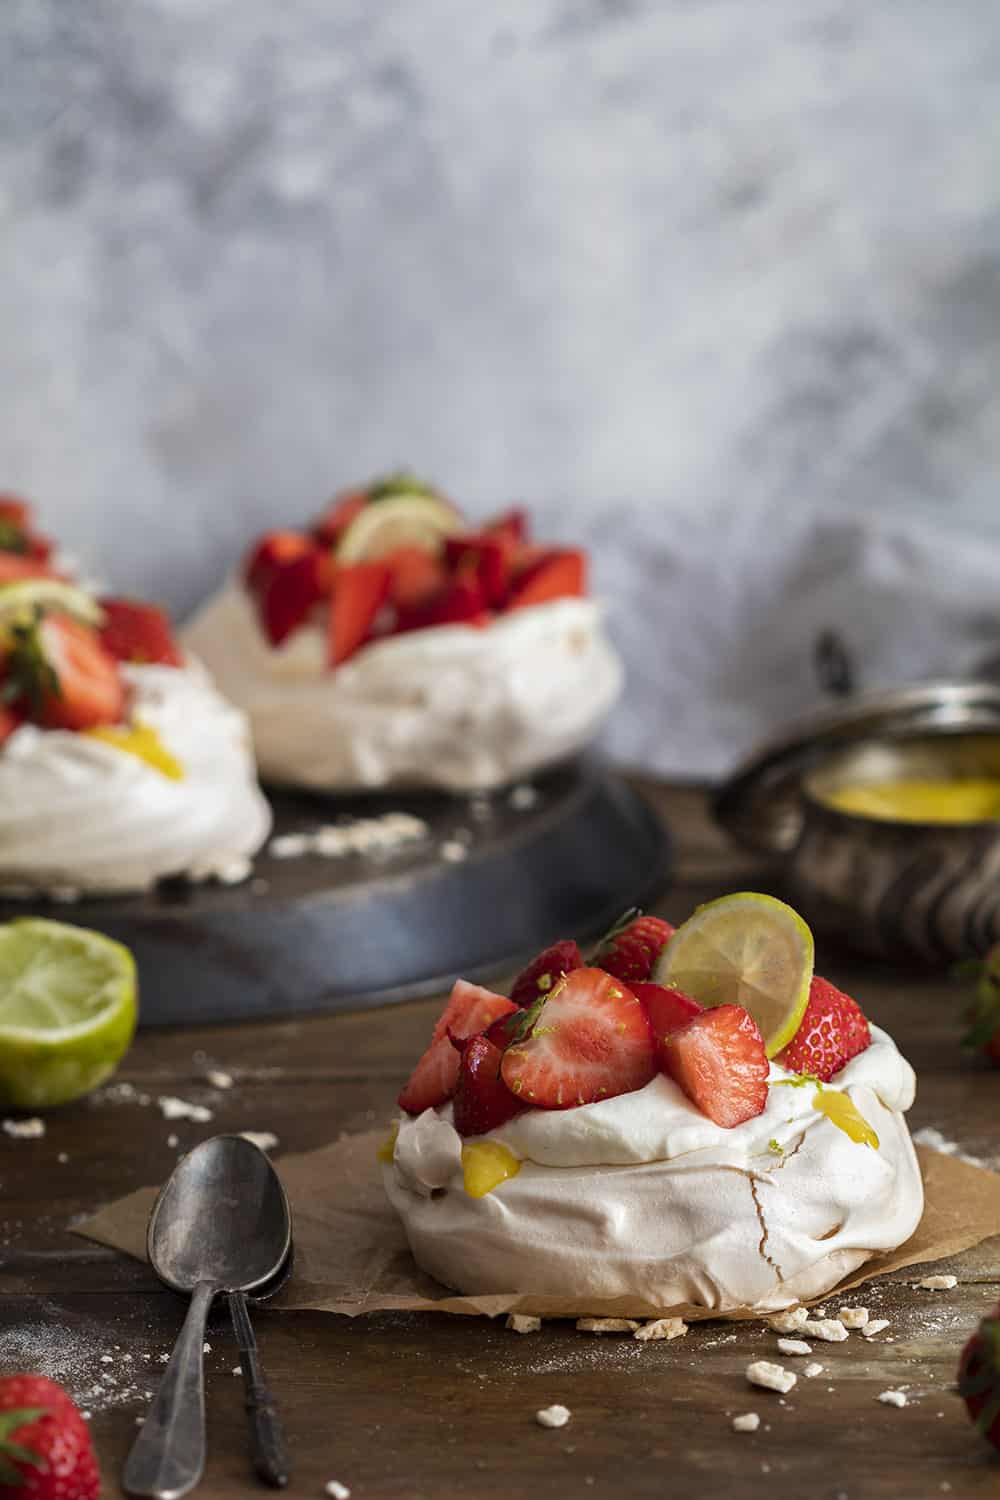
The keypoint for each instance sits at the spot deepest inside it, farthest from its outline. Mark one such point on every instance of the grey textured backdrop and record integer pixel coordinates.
(683, 274)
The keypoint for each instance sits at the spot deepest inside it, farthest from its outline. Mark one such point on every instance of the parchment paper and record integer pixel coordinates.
(351, 1254)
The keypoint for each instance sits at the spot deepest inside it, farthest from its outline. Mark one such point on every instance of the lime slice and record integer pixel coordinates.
(22, 598)
(398, 521)
(748, 950)
(67, 1011)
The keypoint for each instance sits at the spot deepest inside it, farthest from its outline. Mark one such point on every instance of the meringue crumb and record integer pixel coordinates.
(522, 798)
(453, 851)
(24, 1130)
(794, 1346)
(553, 1416)
(236, 1370)
(523, 1323)
(747, 1421)
(936, 1283)
(606, 1325)
(893, 1398)
(771, 1377)
(336, 1490)
(790, 1321)
(661, 1328)
(206, 1348)
(853, 1318)
(219, 1079)
(812, 1370)
(876, 1325)
(62, 1158)
(179, 1109)
(264, 1140)
(830, 1330)
(173, 1141)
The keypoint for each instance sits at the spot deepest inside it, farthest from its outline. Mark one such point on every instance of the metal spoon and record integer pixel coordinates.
(269, 1455)
(220, 1224)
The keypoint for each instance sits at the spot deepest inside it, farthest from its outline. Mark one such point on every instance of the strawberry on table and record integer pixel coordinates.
(979, 1377)
(59, 674)
(137, 632)
(718, 1059)
(543, 972)
(470, 1009)
(555, 575)
(589, 1039)
(482, 1101)
(359, 591)
(45, 1447)
(667, 1010)
(831, 1032)
(633, 946)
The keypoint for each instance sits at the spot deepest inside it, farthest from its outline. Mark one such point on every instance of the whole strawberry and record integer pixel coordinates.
(543, 972)
(45, 1449)
(631, 947)
(979, 1377)
(983, 1015)
(832, 1031)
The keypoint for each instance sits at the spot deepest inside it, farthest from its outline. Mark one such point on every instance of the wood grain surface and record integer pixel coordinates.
(408, 1406)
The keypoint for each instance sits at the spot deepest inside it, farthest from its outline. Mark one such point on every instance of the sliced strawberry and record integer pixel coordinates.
(718, 1059)
(417, 576)
(359, 591)
(13, 567)
(272, 552)
(667, 1011)
(483, 1102)
(979, 1377)
(470, 1009)
(556, 575)
(291, 594)
(16, 512)
(543, 972)
(631, 951)
(511, 526)
(10, 719)
(484, 558)
(138, 632)
(461, 602)
(590, 1040)
(832, 1031)
(338, 516)
(59, 674)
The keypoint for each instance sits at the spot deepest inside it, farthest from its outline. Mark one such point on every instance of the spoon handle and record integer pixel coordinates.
(168, 1456)
(270, 1456)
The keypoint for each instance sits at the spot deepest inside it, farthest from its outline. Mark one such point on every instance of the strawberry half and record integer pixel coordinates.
(292, 592)
(511, 526)
(979, 1377)
(10, 719)
(359, 591)
(417, 576)
(589, 1040)
(272, 552)
(482, 1101)
(543, 972)
(45, 1447)
(485, 558)
(461, 602)
(556, 575)
(832, 1031)
(470, 1009)
(14, 567)
(630, 951)
(59, 674)
(718, 1059)
(137, 632)
(338, 516)
(667, 1011)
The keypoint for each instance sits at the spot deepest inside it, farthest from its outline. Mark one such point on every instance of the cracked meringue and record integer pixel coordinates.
(641, 1197)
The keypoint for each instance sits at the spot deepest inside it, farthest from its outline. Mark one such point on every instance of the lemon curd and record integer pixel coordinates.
(142, 741)
(387, 1150)
(841, 1111)
(972, 799)
(485, 1164)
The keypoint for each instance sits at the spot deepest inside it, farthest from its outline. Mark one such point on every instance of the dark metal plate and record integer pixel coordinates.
(323, 934)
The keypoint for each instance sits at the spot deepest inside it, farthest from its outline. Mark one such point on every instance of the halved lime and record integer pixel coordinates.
(68, 1010)
(23, 597)
(410, 520)
(746, 949)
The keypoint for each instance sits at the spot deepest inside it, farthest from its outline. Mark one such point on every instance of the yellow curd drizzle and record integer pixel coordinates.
(841, 1111)
(143, 741)
(387, 1149)
(972, 799)
(485, 1164)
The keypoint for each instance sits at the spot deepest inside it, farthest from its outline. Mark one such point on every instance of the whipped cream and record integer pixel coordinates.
(643, 1197)
(79, 812)
(457, 707)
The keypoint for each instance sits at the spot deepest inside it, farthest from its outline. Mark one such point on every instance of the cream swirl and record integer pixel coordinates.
(456, 707)
(77, 811)
(642, 1197)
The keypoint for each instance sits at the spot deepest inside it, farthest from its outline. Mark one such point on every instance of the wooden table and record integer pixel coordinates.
(425, 1406)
